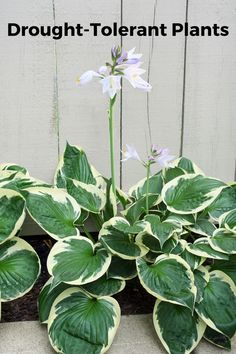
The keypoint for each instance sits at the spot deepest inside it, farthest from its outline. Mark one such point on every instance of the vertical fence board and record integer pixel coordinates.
(27, 133)
(210, 104)
(160, 112)
(83, 110)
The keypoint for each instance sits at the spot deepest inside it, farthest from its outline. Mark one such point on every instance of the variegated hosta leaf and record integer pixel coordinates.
(216, 338)
(82, 218)
(136, 209)
(20, 182)
(88, 196)
(228, 266)
(115, 236)
(161, 230)
(76, 260)
(223, 241)
(228, 220)
(122, 269)
(19, 268)
(73, 164)
(13, 167)
(171, 173)
(218, 307)
(201, 279)
(149, 241)
(177, 328)
(104, 286)
(47, 297)
(225, 202)
(170, 279)
(202, 248)
(6, 176)
(140, 189)
(183, 220)
(193, 261)
(110, 208)
(187, 165)
(54, 210)
(12, 213)
(190, 193)
(79, 323)
(202, 227)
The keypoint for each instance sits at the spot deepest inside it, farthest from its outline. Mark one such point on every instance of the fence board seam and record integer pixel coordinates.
(184, 86)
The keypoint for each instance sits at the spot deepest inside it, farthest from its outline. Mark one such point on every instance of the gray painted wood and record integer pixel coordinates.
(190, 109)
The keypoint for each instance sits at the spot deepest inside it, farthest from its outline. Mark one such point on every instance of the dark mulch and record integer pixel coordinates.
(133, 299)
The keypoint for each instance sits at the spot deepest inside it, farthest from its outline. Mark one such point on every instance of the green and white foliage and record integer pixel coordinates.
(179, 238)
(218, 306)
(77, 261)
(169, 279)
(73, 164)
(19, 263)
(12, 213)
(191, 193)
(19, 268)
(54, 210)
(180, 331)
(115, 235)
(80, 323)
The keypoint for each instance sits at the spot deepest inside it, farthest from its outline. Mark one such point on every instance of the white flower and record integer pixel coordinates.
(133, 58)
(163, 158)
(87, 77)
(111, 84)
(102, 70)
(130, 153)
(132, 74)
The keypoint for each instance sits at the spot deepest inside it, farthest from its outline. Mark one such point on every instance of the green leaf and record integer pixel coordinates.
(136, 209)
(155, 186)
(110, 209)
(74, 164)
(225, 202)
(79, 323)
(218, 307)
(187, 165)
(122, 269)
(228, 220)
(169, 279)
(193, 260)
(190, 193)
(13, 167)
(19, 268)
(76, 260)
(228, 267)
(171, 173)
(223, 241)
(54, 210)
(183, 220)
(104, 286)
(202, 227)
(201, 278)
(161, 230)
(178, 330)
(21, 182)
(88, 196)
(115, 236)
(47, 297)
(12, 213)
(202, 248)
(216, 338)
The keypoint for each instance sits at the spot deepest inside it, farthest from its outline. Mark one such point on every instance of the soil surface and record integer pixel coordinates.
(133, 299)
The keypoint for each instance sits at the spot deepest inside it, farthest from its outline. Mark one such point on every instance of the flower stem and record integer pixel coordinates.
(111, 134)
(87, 233)
(147, 187)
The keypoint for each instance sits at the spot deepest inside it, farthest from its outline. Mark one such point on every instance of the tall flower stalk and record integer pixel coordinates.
(112, 148)
(158, 155)
(124, 64)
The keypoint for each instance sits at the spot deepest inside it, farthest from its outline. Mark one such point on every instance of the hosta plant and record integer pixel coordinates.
(19, 263)
(179, 239)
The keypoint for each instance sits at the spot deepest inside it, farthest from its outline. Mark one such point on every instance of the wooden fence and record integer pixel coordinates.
(191, 108)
